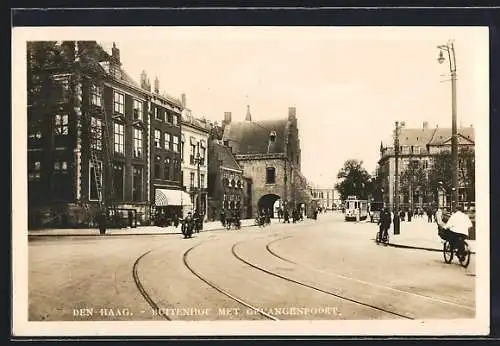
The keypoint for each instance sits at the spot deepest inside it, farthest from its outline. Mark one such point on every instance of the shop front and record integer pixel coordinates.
(170, 205)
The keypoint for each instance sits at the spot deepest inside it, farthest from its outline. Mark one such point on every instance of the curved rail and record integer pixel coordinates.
(233, 250)
(275, 254)
(221, 290)
(141, 289)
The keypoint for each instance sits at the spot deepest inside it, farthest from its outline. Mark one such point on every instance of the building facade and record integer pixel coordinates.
(194, 149)
(95, 134)
(324, 197)
(226, 184)
(419, 150)
(81, 101)
(168, 200)
(269, 153)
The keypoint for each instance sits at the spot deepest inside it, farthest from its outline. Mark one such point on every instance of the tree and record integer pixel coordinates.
(356, 181)
(413, 178)
(441, 172)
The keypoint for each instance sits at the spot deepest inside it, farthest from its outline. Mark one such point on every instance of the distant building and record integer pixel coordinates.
(421, 145)
(269, 153)
(195, 133)
(324, 197)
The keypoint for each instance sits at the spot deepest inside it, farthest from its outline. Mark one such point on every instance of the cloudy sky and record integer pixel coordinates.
(349, 85)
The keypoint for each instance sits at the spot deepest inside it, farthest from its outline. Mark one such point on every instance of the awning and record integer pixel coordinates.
(165, 197)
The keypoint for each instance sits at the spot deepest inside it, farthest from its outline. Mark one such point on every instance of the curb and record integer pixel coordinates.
(419, 248)
(122, 234)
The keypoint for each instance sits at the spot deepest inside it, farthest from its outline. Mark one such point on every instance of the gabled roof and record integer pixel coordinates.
(253, 136)
(224, 154)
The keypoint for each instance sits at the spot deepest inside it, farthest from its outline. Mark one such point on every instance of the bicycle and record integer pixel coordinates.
(463, 256)
(379, 239)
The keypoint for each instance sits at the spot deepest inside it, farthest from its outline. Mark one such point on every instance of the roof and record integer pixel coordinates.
(253, 136)
(433, 136)
(224, 154)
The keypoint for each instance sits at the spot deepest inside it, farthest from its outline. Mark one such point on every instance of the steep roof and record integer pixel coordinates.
(433, 136)
(223, 153)
(253, 136)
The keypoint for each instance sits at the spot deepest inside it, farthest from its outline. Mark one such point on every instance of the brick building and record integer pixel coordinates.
(420, 146)
(226, 184)
(80, 97)
(268, 151)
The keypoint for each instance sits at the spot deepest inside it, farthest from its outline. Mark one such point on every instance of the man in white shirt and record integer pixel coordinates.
(457, 228)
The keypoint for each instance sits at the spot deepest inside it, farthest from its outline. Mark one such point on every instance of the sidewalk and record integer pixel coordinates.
(420, 234)
(141, 230)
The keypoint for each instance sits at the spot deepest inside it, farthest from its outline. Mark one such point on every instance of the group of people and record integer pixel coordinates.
(231, 217)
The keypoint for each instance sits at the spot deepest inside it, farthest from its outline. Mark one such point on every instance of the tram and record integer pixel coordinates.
(356, 209)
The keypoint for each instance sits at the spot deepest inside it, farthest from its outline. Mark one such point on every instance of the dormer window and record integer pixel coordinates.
(272, 136)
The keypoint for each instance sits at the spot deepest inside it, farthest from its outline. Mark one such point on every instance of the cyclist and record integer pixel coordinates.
(456, 229)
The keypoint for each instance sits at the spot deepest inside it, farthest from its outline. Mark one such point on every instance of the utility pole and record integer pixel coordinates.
(450, 49)
(396, 177)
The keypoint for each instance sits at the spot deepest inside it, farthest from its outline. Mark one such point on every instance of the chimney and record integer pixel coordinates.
(157, 85)
(248, 117)
(148, 85)
(291, 113)
(227, 118)
(425, 125)
(183, 100)
(115, 54)
(144, 80)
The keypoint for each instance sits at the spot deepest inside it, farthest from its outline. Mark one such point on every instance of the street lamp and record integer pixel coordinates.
(397, 131)
(450, 49)
(197, 162)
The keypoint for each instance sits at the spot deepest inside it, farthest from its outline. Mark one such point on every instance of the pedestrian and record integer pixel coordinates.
(286, 216)
(101, 221)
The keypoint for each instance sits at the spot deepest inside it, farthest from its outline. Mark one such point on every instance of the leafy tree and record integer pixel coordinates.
(413, 178)
(356, 181)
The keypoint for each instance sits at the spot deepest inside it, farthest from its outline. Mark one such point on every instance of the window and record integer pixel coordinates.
(60, 180)
(62, 89)
(182, 147)
(177, 169)
(157, 166)
(118, 104)
(270, 175)
(417, 150)
(118, 180)
(93, 196)
(193, 153)
(34, 132)
(137, 143)
(34, 171)
(95, 95)
(176, 119)
(202, 155)
(170, 117)
(158, 114)
(168, 144)
(61, 124)
(202, 180)
(137, 183)
(96, 133)
(119, 138)
(176, 143)
(137, 110)
(157, 138)
(167, 168)
(191, 179)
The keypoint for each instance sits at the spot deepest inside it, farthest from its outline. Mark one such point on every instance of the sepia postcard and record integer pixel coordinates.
(239, 181)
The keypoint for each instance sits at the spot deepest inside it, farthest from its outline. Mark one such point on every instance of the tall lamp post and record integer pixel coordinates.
(397, 131)
(450, 49)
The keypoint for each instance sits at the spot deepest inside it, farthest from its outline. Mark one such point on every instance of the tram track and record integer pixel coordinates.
(317, 289)
(363, 282)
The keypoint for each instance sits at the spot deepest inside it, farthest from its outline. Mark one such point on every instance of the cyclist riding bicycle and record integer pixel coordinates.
(456, 229)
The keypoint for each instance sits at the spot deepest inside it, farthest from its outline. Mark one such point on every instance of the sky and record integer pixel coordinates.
(348, 84)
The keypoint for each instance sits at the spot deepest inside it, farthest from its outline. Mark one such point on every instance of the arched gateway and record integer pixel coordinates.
(269, 202)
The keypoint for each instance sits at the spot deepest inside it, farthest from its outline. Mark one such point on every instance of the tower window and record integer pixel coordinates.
(270, 175)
